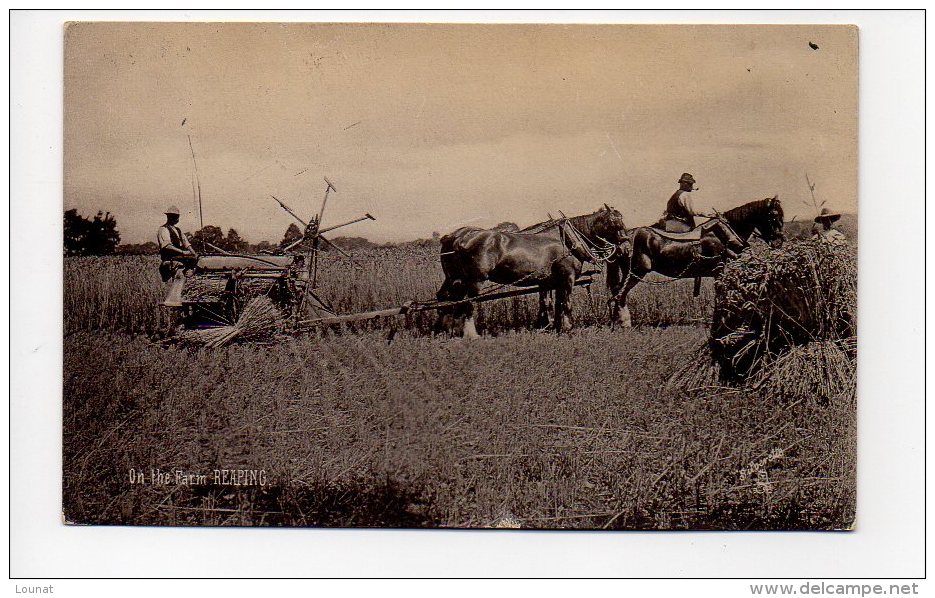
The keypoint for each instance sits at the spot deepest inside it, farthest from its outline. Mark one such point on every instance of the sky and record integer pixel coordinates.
(433, 127)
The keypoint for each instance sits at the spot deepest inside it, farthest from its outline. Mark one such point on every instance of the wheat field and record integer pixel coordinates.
(123, 293)
(519, 429)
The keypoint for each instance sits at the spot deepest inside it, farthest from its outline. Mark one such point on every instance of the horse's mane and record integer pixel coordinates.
(582, 223)
(539, 226)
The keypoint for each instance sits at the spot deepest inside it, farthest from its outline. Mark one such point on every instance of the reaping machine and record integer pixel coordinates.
(221, 283)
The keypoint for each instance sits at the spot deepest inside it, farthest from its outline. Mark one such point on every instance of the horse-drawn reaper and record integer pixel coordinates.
(212, 289)
(694, 254)
(545, 258)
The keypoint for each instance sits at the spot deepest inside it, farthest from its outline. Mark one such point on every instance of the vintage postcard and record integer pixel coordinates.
(460, 276)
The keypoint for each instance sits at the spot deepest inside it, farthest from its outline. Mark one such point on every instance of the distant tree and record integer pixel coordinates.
(75, 231)
(233, 242)
(209, 234)
(413, 244)
(293, 234)
(95, 236)
(103, 236)
(351, 243)
(264, 246)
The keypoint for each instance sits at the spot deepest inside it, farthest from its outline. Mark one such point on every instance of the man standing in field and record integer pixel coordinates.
(679, 216)
(826, 233)
(177, 255)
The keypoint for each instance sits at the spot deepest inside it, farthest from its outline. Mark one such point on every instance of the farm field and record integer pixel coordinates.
(518, 429)
(123, 293)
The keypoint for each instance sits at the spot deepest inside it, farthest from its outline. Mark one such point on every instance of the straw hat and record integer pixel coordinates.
(172, 210)
(828, 215)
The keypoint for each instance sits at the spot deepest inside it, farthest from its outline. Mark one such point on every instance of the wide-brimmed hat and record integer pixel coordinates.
(687, 178)
(172, 210)
(828, 215)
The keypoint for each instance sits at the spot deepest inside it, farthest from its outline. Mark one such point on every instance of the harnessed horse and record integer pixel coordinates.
(549, 255)
(681, 255)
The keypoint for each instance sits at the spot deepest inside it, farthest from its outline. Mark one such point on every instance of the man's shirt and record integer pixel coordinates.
(680, 207)
(171, 236)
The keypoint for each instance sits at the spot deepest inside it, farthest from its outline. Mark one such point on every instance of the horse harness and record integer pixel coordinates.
(597, 254)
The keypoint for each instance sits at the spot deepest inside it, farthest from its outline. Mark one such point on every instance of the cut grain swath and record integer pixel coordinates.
(699, 372)
(259, 321)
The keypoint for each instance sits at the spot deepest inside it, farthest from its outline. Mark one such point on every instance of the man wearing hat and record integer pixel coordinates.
(679, 216)
(826, 233)
(177, 254)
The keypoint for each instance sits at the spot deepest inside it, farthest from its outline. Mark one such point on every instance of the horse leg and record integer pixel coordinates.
(612, 278)
(452, 289)
(470, 329)
(615, 312)
(565, 284)
(443, 321)
(618, 276)
(615, 282)
(566, 319)
(620, 300)
(619, 312)
(544, 319)
(641, 263)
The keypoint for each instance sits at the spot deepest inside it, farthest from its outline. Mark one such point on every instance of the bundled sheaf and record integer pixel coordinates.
(821, 370)
(780, 313)
(260, 321)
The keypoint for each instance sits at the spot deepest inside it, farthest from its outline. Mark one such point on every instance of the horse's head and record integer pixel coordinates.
(763, 215)
(770, 221)
(609, 225)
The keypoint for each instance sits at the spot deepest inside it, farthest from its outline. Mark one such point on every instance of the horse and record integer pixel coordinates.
(548, 255)
(691, 255)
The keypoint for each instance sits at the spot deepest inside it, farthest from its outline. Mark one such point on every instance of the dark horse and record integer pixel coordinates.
(549, 255)
(684, 255)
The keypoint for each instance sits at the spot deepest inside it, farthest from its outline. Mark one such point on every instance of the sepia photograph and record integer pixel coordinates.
(491, 276)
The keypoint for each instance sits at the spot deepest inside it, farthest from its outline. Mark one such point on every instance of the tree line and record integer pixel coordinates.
(212, 239)
(90, 236)
(99, 236)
